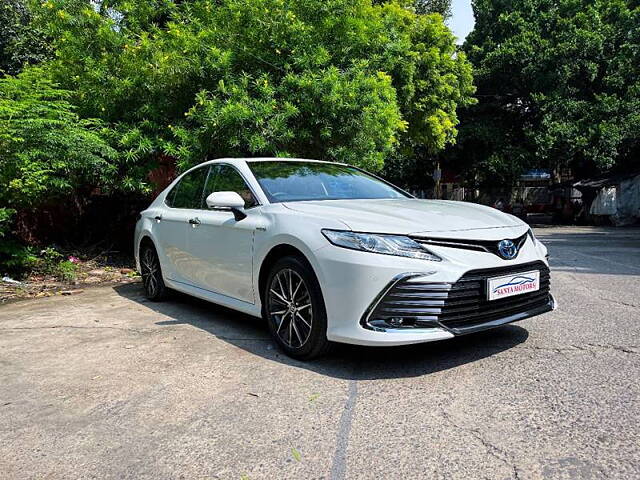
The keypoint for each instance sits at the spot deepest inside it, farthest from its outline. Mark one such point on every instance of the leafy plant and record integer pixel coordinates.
(46, 149)
(66, 271)
(15, 258)
(48, 261)
(21, 42)
(46, 152)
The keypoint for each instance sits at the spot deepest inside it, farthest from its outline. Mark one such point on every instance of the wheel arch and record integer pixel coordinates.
(276, 253)
(146, 240)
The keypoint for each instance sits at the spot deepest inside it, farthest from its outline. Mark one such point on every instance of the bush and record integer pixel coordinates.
(15, 258)
(66, 271)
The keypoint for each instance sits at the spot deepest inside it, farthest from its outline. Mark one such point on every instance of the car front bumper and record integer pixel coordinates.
(355, 283)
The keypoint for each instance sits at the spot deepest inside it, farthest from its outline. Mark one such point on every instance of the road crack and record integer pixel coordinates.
(587, 347)
(493, 450)
(589, 290)
(339, 464)
(125, 329)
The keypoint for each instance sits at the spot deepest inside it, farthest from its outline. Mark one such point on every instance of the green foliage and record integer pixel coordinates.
(132, 81)
(443, 7)
(20, 42)
(66, 271)
(14, 257)
(46, 150)
(334, 79)
(558, 86)
(18, 260)
(422, 7)
(48, 261)
(6, 215)
(51, 262)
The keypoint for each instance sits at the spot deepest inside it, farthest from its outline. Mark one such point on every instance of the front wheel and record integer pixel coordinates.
(294, 309)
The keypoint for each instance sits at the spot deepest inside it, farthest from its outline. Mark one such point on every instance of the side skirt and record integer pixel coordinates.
(217, 298)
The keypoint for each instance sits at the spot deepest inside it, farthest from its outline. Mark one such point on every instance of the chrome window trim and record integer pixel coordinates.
(210, 166)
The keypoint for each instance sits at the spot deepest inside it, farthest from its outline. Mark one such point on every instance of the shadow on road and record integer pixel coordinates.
(346, 361)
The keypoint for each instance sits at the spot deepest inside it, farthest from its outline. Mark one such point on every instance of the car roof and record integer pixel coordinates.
(237, 161)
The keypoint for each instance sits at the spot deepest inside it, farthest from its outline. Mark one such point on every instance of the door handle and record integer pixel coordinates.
(157, 218)
(194, 221)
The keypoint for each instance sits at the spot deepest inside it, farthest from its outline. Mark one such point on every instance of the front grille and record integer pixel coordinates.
(458, 306)
(489, 246)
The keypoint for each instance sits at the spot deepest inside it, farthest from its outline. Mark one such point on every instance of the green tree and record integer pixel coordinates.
(46, 152)
(558, 86)
(20, 41)
(422, 7)
(336, 79)
(443, 7)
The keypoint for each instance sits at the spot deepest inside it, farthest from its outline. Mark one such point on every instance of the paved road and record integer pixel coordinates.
(107, 385)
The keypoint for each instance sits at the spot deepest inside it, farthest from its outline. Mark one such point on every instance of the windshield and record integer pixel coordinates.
(292, 181)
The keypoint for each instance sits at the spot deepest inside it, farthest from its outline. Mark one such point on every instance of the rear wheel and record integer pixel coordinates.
(154, 287)
(294, 309)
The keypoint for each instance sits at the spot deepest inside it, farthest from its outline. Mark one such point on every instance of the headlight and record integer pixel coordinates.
(397, 245)
(538, 244)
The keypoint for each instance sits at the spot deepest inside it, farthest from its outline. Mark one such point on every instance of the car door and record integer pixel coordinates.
(222, 247)
(183, 203)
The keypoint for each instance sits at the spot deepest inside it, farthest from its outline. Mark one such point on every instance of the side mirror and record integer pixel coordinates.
(227, 200)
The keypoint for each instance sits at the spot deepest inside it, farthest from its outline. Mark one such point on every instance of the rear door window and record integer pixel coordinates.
(188, 193)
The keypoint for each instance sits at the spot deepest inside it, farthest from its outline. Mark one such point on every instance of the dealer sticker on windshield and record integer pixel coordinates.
(510, 285)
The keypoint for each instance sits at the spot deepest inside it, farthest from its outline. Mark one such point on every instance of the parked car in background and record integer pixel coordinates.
(326, 252)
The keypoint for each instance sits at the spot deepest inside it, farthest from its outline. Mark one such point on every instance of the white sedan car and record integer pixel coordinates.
(326, 252)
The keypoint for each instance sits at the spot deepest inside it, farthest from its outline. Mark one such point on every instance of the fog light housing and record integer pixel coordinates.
(393, 322)
(396, 321)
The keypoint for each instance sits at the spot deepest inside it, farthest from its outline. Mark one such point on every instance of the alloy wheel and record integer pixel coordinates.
(150, 267)
(290, 308)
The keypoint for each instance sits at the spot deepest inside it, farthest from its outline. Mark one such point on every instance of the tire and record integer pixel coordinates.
(292, 291)
(154, 287)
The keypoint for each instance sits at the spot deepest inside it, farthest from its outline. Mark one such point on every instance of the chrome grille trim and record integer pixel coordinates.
(459, 307)
(486, 246)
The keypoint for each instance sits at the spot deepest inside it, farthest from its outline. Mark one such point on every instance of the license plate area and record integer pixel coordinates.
(511, 285)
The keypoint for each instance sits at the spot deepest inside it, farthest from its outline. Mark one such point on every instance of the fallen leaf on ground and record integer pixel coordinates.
(296, 455)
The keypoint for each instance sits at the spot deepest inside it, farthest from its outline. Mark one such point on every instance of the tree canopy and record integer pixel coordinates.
(96, 93)
(557, 86)
(334, 79)
(45, 148)
(20, 41)
(443, 7)
(46, 152)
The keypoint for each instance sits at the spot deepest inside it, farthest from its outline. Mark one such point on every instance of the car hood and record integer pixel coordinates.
(409, 215)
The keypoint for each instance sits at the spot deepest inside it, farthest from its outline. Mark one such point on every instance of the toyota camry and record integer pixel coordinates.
(327, 252)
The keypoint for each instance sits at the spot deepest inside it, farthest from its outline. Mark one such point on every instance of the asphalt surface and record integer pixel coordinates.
(104, 384)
